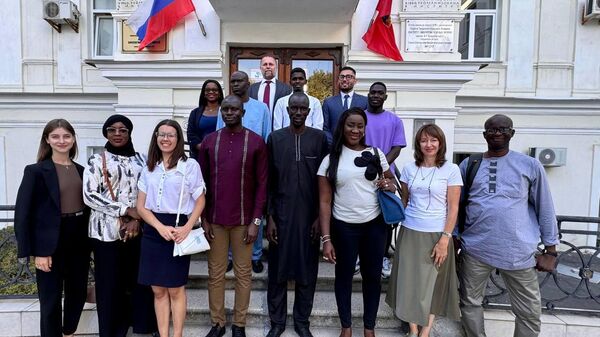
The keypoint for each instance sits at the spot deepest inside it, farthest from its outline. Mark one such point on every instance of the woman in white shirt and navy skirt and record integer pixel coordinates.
(158, 200)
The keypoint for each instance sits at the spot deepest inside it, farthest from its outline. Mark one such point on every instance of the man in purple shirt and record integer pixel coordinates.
(234, 165)
(385, 131)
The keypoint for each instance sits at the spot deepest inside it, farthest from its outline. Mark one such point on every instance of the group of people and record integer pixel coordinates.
(268, 155)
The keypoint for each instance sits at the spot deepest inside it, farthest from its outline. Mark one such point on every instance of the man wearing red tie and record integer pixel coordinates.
(269, 89)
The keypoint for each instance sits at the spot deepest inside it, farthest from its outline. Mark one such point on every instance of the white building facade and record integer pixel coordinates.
(533, 60)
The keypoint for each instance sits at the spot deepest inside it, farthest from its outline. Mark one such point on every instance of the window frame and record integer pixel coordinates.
(473, 14)
(97, 15)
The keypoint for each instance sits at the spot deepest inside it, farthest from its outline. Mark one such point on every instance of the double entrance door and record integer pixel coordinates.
(320, 64)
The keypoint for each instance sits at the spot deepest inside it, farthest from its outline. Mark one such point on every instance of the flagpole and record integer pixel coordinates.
(200, 23)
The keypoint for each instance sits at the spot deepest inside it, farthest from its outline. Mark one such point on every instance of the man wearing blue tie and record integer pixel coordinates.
(334, 106)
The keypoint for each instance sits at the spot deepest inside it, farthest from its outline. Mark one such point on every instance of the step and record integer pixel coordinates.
(201, 331)
(324, 313)
(20, 317)
(198, 278)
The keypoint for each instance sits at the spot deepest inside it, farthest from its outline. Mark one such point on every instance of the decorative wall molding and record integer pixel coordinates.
(476, 105)
(57, 101)
(38, 124)
(537, 131)
(187, 74)
(415, 76)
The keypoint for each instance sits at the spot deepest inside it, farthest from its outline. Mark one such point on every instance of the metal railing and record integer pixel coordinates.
(17, 275)
(574, 286)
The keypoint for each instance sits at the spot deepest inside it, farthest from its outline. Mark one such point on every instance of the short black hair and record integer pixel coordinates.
(299, 94)
(498, 116)
(348, 68)
(378, 83)
(298, 70)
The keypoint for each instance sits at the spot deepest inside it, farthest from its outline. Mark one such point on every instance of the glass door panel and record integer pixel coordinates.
(321, 65)
(319, 75)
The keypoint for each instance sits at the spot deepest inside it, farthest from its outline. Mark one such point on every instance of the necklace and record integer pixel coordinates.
(431, 174)
(428, 174)
(66, 166)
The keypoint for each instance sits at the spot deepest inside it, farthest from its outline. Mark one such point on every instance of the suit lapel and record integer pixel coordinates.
(356, 101)
(339, 101)
(51, 179)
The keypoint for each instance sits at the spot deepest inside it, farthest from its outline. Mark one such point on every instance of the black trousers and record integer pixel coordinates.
(366, 240)
(388, 243)
(121, 302)
(69, 271)
(303, 295)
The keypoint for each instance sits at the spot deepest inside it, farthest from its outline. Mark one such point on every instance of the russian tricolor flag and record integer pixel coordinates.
(153, 18)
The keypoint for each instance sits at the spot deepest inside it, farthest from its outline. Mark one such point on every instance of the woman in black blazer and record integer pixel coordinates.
(51, 225)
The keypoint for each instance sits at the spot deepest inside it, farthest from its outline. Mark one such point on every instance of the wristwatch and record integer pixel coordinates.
(256, 221)
(446, 234)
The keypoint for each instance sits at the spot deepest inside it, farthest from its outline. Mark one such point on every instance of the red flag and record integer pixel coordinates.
(380, 35)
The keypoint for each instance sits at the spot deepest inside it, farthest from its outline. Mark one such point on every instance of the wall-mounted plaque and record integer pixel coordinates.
(131, 43)
(430, 5)
(429, 36)
(128, 5)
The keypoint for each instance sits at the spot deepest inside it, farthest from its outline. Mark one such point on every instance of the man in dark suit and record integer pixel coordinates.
(269, 89)
(334, 106)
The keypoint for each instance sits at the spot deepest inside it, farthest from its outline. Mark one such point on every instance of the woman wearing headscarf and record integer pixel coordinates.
(110, 189)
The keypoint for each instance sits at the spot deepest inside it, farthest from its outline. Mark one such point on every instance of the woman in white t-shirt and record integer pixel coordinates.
(348, 180)
(424, 282)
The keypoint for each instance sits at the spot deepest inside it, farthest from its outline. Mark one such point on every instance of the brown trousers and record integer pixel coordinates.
(242, 268)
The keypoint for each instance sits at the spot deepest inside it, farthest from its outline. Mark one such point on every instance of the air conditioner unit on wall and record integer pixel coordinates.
(591, 10)
(58, 12)
(549, 156)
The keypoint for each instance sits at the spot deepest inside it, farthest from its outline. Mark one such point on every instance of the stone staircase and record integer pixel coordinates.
(20, 317)
(324, 320)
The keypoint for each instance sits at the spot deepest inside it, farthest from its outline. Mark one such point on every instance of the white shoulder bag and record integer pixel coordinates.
(195, 242)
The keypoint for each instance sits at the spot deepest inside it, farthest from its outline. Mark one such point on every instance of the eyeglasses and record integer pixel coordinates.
(166, 135)
(114, 131)
(346, 77)
(298, 108)
(493, 131)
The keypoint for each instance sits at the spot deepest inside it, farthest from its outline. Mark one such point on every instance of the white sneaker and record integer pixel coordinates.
(357, 266)
(386, 268)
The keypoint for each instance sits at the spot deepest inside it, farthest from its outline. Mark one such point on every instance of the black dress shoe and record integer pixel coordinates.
(276, 331)
(238, 331)
(257, 266)
(404, 328)
(216, 331)
(303, 331)
(229, 266)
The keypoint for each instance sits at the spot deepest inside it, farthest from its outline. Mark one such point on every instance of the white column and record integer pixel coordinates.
(521, 48)
(10, 35)
(556, 35)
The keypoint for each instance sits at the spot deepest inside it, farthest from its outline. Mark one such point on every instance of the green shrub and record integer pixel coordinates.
(14, 279)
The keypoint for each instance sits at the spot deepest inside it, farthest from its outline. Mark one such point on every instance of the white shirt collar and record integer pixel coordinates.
(265, 81)
(351, 93)
(180, 166)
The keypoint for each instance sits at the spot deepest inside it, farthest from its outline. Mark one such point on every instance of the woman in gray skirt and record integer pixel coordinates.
(424, 282)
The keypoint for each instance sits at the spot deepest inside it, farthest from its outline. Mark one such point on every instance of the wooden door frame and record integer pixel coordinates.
(284, 57)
